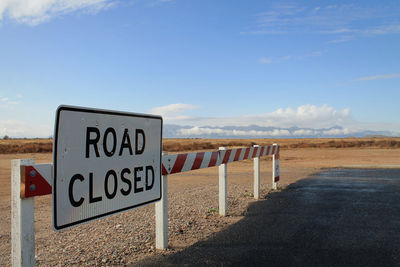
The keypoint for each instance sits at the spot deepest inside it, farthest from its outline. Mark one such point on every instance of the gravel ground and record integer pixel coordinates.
(129, 237)
(193, 200)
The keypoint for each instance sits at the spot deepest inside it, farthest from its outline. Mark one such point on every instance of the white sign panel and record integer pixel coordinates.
(104, 162)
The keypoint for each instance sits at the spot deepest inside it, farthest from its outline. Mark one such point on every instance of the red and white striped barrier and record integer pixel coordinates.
(36, 179)
(192, 161)
(186, 162)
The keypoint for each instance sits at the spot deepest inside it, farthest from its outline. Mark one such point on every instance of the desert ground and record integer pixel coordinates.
(193, 197)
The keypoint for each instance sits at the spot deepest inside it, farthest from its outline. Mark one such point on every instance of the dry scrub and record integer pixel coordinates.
(12, 146)
(178, 145)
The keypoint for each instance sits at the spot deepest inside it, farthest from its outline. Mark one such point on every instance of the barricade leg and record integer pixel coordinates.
(275, 169)
(161, 210)
(22, 220)
(273, 172)
(256, 176)
(222, 196)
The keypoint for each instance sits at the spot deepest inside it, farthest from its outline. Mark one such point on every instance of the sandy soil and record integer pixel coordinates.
(190, 219)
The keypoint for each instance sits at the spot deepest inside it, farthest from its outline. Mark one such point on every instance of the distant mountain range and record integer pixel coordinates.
(254, 131)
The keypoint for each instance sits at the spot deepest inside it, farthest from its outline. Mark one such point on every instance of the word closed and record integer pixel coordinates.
(104, 162)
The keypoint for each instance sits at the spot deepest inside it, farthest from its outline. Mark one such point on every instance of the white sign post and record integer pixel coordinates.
(104, 162)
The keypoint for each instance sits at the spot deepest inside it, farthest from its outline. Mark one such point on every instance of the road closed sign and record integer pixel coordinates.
(105, 162)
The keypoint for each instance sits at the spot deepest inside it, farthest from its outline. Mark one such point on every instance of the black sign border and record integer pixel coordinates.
(97, 111)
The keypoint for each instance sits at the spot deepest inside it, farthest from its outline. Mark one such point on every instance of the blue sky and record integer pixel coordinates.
(313, 64)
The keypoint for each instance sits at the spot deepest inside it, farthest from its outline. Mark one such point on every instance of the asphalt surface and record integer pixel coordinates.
(340, 217)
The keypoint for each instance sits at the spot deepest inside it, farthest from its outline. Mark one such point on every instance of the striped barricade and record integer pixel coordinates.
(29, 180)
(177, 163)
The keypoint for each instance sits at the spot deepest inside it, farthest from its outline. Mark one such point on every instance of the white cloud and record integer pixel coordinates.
(5, 102)
(223, 132)
(158, 2)
(302, 132)
(340, 30)
(13, 102)
(196, 131)
(33, 12)
(344, 131)
(308, 116)
(269, 60)
(312, 54)
(16, 128)
(346, 21)
(378, 77)
(371, 78)
(305, 116)
(266, 60)
(173, 111)
(311, 119)
(385, 29)
(342, 39)
(292, 19)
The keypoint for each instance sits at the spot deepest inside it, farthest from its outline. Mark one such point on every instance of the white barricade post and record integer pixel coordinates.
(22, 219)
(161, 208)
(222, 185)
(275, 167)
(256, 175)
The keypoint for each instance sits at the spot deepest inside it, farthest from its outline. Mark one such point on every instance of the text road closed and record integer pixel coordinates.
(104, 162)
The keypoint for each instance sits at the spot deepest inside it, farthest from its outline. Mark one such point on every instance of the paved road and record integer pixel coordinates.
(348, 217)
